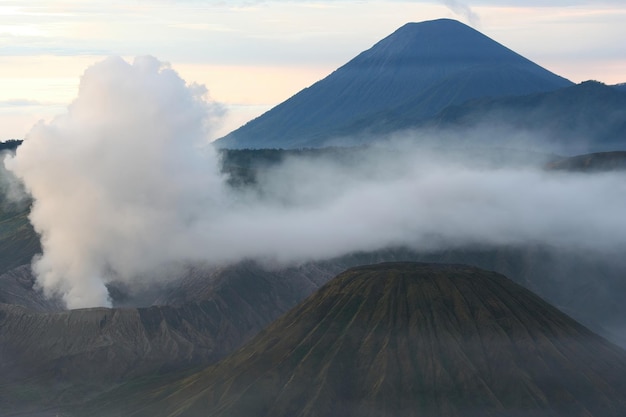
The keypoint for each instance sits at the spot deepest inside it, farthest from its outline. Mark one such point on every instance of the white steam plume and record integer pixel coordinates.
(119, 172)
(464, 10)
(123, 187)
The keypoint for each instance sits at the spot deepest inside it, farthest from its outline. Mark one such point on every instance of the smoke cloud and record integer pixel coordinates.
(125, 185)
(123, 169)
(463, 10)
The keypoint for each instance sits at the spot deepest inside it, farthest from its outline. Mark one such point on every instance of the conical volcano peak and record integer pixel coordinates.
(409, 340)
(419, 69)
(445, 43)
(432, 27)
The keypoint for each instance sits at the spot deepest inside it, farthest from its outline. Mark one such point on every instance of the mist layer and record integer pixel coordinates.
(124, 185)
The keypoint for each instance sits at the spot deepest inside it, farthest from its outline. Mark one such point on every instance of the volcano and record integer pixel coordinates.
(406, 339)
(419, 69)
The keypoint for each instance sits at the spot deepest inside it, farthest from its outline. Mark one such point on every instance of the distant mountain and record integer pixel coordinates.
(402, 340)
(621, 87)
(588, 117)
(419, 69)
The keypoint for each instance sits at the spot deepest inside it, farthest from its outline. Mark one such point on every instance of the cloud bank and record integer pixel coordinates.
(125, 185)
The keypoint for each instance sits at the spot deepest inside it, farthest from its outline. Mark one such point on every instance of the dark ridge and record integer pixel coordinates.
(10, 145)
(583, 118)
(403, 340)
(593, 162)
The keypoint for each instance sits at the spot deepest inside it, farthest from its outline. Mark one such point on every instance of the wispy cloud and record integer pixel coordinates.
(464, 10)
(21, 103)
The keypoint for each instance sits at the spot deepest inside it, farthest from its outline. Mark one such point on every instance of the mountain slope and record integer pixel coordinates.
(587, 117)
(63, 357)
(425, 66)
(18, 287)
(405, 339)
(67, 356)
(50, 357)
(18, 241)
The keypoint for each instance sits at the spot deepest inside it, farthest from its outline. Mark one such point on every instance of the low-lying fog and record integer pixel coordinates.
(124, 184)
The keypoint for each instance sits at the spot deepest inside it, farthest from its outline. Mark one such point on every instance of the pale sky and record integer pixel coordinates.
(251, 55)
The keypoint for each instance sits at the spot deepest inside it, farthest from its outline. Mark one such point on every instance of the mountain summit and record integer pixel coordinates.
(421, 68)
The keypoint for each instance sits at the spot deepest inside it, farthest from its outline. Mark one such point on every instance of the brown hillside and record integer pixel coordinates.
(406, 339)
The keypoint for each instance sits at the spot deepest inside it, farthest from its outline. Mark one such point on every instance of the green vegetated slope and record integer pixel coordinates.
(402, 339)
